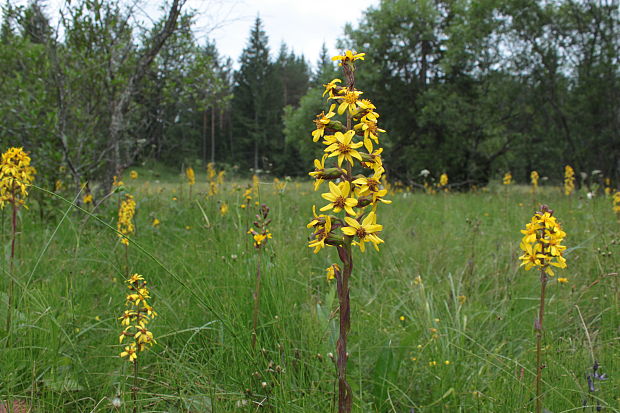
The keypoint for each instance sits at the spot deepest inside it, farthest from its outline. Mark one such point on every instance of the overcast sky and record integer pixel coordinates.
(302, 24)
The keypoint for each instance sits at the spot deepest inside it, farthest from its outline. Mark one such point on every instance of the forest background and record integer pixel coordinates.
(469, 88)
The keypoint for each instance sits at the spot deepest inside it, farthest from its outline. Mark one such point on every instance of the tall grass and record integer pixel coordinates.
(464, 343)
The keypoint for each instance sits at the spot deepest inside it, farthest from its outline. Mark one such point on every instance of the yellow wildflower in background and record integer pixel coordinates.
(133, 175)
(190, 175)
(616, 203)
(534, 180)
(155, 222)
(443, 181)
(125, 223)
(507, 180)
(224, 209)
(16, 175)
(569, 180)
(88, 199)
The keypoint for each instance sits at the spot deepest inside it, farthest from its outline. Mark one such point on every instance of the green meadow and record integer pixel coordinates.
(441, 317)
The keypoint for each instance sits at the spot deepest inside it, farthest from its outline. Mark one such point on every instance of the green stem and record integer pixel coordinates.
(256, 297)
(9, 314)
(134, 389)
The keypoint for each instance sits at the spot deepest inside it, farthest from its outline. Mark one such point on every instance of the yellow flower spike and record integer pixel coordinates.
(569, 180)
(349, 101)
(321, 121)
(125, 223)
(507, 180)
(534, 179)
(542, 243)
(338, 196)
(443, 180)
(343, 148)
(16, 175)
(133, 175)
(190, 175)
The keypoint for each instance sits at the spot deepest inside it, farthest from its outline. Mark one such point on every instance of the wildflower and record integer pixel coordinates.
(133, 175)
(507, 180)
(432, 363)
(16, 175)
(322, 120)
(447, 362)
(462, 299)
(330, 87)
(174, 198)
(58, 185)
(116, 183)
(344, 148)
(224, 209)
(365, 231)
(190, 175)
(136, 319)
(401, 318)
(155, 222)
(370, 130)
(541, 243)
(569, 180)
(87, 199)
(348, 57)
(338, 196)
(562, 280)
(260, 233)
(126, 212)
(349, 100)
(616, 203)
(331, 271)
(443, 180)
(322, 225)
(534, 179)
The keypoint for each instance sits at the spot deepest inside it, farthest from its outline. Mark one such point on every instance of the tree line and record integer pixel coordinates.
(469, 88)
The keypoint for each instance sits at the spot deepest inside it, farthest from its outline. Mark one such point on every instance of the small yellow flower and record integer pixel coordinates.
(133, 175)
(562, 280)
(88, 199)
(343, 148)
(401, 318)
(155, 222)
(338, 196)
(348, 57)
(242, 206)
(447, 362)
(174, 198)
(507, 178)
(130, 352)
(432, 363)
(190, 175)
(321, 121)
(224, 209)
(330, 87)
(349, 100)
(443, 180)
(331, 271)
(365, 231)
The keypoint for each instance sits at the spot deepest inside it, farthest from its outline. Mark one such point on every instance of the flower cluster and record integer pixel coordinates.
(190, 175)
(534, 180)
(542, 242)
(616, 203)
(353, 144)
(443, 181)
(507, 178)
(260, 233)
(569, 180)
(126, 213)
(135, 320)
(16, 175)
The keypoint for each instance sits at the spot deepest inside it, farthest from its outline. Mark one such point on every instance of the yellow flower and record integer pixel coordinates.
(569, 180)
(88, 199)
(343, 148)
(323, 226)
(190, 175)
(130, 352)
(616, 202)
(155, 222)
(133, 175)
(116, 183)
(542, 243)
(562, 280)
(224, 209)
(125, 223)
(321, 121)
(331, 271)
(330, 87)
(16, 175)
(507, 178)
(443, 180)
(371, 130)
(338, 196)
(349, 101)
(401, 318)
(348, 57)
(534, 179)
(319, 167)
(365, 231)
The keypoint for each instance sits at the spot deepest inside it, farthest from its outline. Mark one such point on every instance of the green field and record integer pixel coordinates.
(442, 316)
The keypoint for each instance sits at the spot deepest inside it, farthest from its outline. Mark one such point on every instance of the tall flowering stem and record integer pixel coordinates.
(16, 175)
(135, 321)
(355, 191)
(534, 177)
(260, 234)
(616, 204)
(569, 180)
(543, 249)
